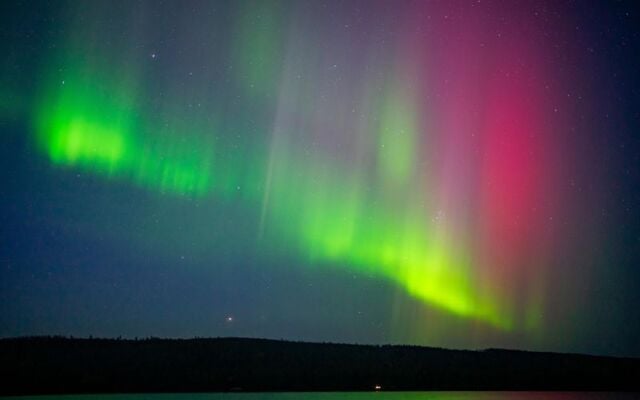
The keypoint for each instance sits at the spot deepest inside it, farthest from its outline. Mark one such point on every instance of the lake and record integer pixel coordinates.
(352, 396)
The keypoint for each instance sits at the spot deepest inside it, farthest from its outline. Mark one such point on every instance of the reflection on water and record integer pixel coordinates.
(355, 396)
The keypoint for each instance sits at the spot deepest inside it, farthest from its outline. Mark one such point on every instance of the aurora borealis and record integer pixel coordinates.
(447, 173)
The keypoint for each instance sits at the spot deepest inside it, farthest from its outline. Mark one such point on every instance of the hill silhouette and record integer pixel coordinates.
(56, 365)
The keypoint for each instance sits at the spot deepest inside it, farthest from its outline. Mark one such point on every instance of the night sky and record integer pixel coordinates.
(461, 174)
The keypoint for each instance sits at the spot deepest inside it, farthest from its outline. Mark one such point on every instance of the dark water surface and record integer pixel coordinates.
(354, 396)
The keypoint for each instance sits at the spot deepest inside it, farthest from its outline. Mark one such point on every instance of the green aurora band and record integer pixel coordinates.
(93, 124)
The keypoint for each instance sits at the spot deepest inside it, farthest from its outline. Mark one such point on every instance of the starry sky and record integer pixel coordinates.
(460, 174)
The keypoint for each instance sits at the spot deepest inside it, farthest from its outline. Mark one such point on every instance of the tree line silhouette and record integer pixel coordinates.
(55, 365)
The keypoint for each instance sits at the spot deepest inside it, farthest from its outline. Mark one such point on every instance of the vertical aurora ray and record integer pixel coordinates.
(397, 135)
(257, 43)
(425, 164)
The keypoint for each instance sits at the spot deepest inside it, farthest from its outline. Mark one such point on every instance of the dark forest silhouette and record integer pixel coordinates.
(47, 365)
